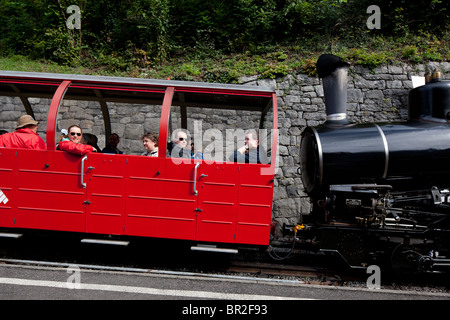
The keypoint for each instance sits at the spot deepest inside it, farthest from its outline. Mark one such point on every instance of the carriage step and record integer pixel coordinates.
(103, 241)
(10, 235)
(211, 248)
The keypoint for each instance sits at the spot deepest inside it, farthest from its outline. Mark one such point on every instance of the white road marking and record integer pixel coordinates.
(143, 290)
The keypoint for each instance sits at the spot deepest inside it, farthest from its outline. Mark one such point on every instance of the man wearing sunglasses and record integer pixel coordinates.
(74, 145)
(179, 149)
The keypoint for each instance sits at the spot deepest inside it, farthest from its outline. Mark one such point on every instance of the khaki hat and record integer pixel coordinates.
(25, 120)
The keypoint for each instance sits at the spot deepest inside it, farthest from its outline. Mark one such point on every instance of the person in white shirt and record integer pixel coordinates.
(150, 143)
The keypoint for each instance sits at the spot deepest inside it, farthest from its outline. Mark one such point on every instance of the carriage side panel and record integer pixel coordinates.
(160, 200)
(255, 205)
(8, 199)
(50, 191)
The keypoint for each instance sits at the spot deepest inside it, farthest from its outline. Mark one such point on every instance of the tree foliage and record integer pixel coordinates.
(145, 31)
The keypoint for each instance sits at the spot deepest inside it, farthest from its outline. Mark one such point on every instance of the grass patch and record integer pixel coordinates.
(266, 62)
(21, 63)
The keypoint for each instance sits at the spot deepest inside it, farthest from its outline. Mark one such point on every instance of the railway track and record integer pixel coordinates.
(306, 274)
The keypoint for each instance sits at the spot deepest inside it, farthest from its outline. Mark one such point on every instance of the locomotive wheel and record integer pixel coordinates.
(351, 244)
(403, 258)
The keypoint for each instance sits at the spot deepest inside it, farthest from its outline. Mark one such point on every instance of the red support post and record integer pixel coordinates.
(53, 113)
(165, 112)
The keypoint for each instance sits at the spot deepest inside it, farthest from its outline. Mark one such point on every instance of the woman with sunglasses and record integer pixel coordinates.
(74, 145)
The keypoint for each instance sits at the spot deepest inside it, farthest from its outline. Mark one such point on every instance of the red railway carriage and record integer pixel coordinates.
(132, 195)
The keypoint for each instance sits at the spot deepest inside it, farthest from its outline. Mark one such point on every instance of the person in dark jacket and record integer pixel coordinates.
(24, 136)
(113, 142)
(250, 152)
(92, 140)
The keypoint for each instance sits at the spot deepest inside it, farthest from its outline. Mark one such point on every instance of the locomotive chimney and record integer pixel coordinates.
(333, 71)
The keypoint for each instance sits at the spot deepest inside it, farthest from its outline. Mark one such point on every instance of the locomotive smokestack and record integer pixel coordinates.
(333, 71)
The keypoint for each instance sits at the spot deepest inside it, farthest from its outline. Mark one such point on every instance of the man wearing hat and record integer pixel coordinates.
(24, 136)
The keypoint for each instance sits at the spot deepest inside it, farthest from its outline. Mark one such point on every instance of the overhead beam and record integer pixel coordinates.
(105, 113)
(24, 100)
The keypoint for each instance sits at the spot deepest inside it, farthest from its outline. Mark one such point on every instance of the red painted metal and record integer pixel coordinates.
(224, 91)
(116, 88)
(8, 170)
(53, 113)
(164, 122)
(254, 207)
(160, 200)
(48, 194)
(218, 187)
(134, 195)
(273, 161)
(106, 177)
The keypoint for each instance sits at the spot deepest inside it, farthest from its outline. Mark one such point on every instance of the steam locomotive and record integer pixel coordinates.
(380, 192)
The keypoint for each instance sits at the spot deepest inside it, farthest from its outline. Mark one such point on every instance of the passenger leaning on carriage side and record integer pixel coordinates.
(24, 136)
(150, 142)
(74, 145)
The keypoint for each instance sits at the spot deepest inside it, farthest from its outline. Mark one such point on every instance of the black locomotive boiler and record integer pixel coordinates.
(380, 192)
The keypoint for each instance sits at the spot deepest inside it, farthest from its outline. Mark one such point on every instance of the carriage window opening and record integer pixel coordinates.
(266, 133)
(19, 99)
(217, 131)
(128, 114)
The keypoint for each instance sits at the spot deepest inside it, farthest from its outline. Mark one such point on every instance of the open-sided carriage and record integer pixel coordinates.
(213, 200)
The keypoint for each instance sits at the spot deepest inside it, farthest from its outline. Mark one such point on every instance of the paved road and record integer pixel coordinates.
(179, 296)
(27, 282)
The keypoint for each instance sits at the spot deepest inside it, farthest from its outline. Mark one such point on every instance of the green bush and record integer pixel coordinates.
(221, 76)
(273, 71)
(365, 58)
